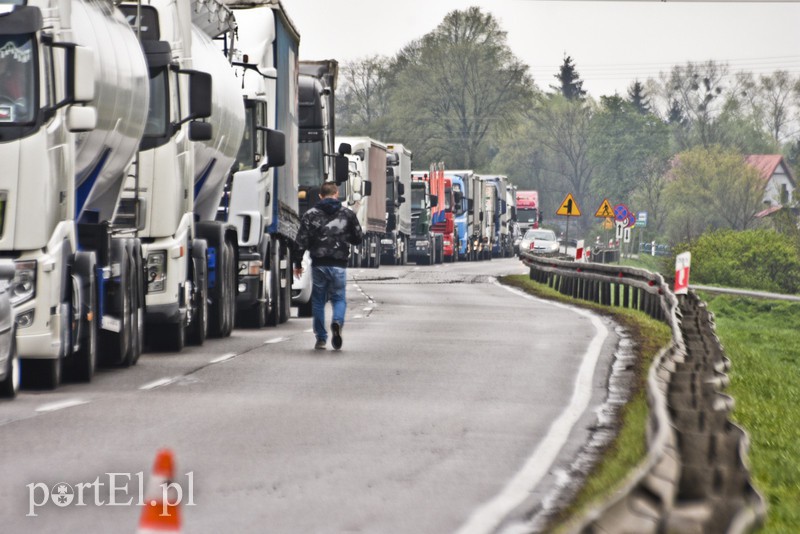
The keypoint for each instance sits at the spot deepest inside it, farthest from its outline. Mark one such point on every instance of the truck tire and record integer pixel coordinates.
(114, 346)
(137, 298)
(197, 330)
(273, 318)
(9, 386)
(286, 283)
(232, 275)
(84, 360)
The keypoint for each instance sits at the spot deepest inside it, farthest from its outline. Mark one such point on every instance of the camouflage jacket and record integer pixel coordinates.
(327, 230)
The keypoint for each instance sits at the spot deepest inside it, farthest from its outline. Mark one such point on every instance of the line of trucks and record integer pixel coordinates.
(158, 156)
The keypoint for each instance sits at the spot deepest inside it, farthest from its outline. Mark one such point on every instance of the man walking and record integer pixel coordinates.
(327, 230)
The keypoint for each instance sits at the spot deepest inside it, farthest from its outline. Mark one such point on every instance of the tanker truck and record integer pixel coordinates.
(365, 194)
(264, 185)
(63, 168)
(181, 170)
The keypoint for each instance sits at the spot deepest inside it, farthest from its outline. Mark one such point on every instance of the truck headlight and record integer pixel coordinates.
(23, 286)
(156, 270)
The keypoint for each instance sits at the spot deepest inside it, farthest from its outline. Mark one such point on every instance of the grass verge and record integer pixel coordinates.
(761, 339)
(628, 449)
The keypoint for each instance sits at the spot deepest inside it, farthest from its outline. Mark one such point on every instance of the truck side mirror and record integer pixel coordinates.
(200, 131)
(434, 201)
(199, 94)
(341, 169)
(470, 204)
(366, 188)
(81, 118)
(82, 75)
(401, 188)
(401, 200)
(344, 149)
(540, 217)
(513, 213)
(480, 217)
(276, 148)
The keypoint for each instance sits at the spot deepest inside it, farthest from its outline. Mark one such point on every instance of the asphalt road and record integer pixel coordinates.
(453, 405)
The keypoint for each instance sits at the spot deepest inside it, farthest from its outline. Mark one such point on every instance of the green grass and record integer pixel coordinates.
(629, 447)
(762, 340)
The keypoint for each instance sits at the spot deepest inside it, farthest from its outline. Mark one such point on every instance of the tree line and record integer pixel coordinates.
(672, 146)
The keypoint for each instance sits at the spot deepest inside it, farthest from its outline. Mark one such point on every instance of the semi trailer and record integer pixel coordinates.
(394, 244)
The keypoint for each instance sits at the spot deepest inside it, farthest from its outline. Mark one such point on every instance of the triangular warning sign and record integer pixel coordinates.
(569, 207)
(605, 209)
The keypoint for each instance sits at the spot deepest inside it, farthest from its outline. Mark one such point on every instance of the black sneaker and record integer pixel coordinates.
(320, 345)
(336, 341)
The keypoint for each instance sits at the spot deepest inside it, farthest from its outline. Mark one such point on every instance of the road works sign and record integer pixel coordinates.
(569, 207)
(605, 209)
(682, 263)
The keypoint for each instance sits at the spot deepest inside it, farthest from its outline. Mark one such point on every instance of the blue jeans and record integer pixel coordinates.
(328, 284)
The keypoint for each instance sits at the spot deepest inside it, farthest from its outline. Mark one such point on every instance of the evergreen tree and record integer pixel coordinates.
(638, 98)
(570, 84)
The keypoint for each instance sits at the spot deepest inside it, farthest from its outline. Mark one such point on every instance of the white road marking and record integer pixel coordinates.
(358, 317)
(158, 383)
(275, 340)
(309, 331)
(60, 405)
(367, 309)
(223, 358)
(489, 515)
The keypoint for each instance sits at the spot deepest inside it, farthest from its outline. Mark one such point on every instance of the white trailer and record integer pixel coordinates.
(263, 203)
(394, 243)
(365, 194)
(64, 165)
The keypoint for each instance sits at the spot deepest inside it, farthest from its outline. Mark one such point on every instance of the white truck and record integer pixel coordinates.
(365, 194)
(263, 202)
(64, 166)
(394, 243)
(181, 170)
(317, 162)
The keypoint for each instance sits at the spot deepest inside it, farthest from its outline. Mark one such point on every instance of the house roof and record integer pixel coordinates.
(768, 211)
(766, 164)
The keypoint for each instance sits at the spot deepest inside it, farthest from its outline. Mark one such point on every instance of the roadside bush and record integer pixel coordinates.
(752, 259)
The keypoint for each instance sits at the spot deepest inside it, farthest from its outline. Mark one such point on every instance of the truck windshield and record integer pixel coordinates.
(17, 79)
(245, 159)
(417, 197)
(310, 163)
(158, 112)
(526, 215)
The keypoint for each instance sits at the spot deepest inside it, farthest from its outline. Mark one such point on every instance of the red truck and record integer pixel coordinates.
(528, 213)
(442, 219)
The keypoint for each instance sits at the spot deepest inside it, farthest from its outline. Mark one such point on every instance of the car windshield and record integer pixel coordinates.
(546, 235)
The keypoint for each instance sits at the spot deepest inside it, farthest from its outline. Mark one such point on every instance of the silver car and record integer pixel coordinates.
(539, 241)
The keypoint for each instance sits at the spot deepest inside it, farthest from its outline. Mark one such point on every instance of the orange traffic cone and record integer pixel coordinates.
(161, 512)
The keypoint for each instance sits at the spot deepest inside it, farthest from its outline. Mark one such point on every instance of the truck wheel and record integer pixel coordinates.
(198, 328)
(230, 293)
(51, 375)
(273, 318)
(305, 310)
(114, 346)
(9, 387)
(85, 359)
(286, 283)
(137, 298)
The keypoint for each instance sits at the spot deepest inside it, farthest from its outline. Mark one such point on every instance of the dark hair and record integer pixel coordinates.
(329, 189)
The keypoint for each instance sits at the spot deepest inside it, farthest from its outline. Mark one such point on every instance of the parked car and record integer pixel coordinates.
(539, 241)
(9, 363)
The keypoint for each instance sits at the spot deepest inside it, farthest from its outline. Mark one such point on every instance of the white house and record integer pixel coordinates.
(780, 180)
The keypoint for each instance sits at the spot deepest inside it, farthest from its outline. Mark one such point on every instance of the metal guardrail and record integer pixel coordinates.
(695, 476)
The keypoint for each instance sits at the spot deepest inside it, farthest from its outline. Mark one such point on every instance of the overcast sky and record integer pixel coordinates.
(611, 43)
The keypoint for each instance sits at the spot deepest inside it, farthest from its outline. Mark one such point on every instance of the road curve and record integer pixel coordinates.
(454, 405)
